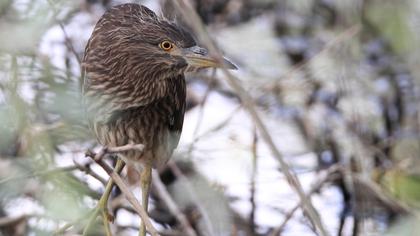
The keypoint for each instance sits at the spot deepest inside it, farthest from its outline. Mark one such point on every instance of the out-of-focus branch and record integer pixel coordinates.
(253, 180)
(349, 33)
(7, 220)
(84, 168)
(201, 112)
(170, 203)
(178, 173)
(67, 39)
(40, 173)
(196, 24)
(74, 225)
(379, 194)
(218, 126)
(331, 175)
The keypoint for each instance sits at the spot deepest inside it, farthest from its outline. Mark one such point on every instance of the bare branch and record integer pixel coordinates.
(67, 39)
(98, 158)
(381, 195)
(112, 150)
(330, 176)
(7, 220)
(253, 180)
(349, 33)
(86, 169)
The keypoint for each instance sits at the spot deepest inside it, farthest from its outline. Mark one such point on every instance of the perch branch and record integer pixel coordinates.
(102, 204)
(113, 150)
(98, 158)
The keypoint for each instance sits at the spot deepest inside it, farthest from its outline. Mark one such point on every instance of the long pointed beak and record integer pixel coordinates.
(198, 57)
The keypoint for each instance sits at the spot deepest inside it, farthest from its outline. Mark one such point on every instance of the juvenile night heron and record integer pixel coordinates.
(134, 85)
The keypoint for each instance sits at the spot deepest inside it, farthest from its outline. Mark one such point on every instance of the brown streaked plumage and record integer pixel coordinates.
(135, 92)
(134, 86)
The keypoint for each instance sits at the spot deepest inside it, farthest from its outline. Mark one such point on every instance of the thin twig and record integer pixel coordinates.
(112, 150)
(7, 220)
(86, 169)
(382, 196)
(65, 227)
(329, 176)
(67, 39)
(253, 180)
(193, 19)
(201, 113)
(172, 206)
(40, 174)
(189, 189)
(218, 126)
(349, 33)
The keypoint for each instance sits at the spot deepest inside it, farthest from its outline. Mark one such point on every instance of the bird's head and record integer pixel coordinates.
(137, 41)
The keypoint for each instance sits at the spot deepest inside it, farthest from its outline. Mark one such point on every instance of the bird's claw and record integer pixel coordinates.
(109, 217)
(106, 214)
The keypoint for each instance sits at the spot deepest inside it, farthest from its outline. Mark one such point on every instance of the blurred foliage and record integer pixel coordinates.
(40, 109)
(404, 187)
(397, 29)
(341, 73)
(406, 227)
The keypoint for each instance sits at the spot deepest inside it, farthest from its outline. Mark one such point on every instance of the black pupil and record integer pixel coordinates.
(166, 45)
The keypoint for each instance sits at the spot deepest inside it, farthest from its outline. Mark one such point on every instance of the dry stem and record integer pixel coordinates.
(194, 20)
(170, 203)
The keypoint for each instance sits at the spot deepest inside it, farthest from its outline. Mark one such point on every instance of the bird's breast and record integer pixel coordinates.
(155, 121)
(149, 126)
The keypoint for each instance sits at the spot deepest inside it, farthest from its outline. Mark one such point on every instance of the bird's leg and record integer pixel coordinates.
(145, 180)
(103, 202)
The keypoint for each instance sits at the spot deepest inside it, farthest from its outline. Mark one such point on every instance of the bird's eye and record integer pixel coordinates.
(166, 45)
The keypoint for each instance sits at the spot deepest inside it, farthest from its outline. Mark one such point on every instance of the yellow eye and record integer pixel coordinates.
(166, 45)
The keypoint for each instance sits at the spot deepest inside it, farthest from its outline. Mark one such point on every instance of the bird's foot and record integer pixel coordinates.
(108, 216)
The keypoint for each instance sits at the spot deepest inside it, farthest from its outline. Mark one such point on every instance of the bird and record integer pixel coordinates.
(134, 87)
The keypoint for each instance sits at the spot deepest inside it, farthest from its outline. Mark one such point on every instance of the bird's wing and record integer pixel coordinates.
(175, 126)
(176, 119)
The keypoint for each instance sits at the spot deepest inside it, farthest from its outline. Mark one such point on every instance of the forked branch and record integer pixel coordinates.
(98, 158)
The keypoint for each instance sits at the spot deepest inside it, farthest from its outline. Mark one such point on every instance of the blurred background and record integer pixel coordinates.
(336, 83)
